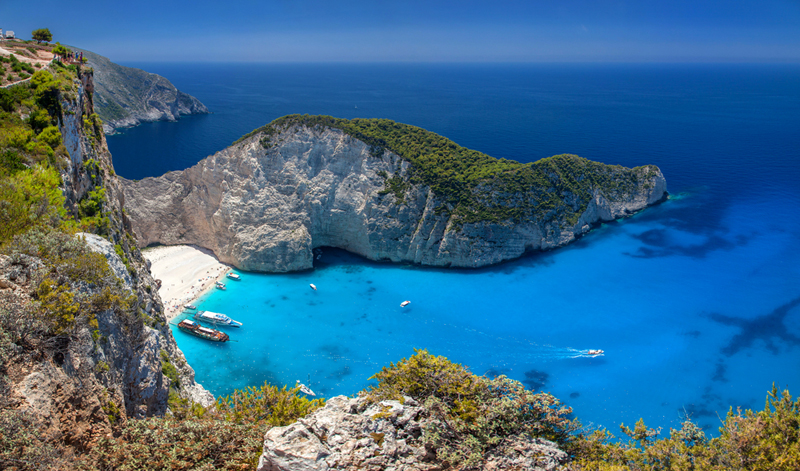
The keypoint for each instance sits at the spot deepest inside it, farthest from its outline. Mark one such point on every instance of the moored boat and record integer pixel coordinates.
(220, 285)
(234, 276)
(189, 307)
(305, 389)
(192, 327)
(216, 318)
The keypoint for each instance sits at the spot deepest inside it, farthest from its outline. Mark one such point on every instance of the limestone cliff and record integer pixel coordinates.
(78, 379)
(266, 202)
(127, 96)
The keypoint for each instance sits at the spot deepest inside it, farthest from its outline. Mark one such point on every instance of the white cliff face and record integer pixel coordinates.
(267, 209)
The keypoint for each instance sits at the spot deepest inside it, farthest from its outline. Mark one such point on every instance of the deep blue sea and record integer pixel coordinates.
(696, 302)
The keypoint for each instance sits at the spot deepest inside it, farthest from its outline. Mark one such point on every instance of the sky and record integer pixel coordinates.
(419, 31)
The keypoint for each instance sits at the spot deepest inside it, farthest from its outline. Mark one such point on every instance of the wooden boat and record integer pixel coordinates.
(192, 327)
(216, 318)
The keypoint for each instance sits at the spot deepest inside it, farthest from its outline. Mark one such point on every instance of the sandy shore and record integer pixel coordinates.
(185, 271)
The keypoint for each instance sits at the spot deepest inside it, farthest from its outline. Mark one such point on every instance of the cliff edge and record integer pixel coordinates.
(126, 96)
(382, 190)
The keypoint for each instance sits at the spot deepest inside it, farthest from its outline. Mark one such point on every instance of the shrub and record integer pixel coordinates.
(475, 414)
(267, 405)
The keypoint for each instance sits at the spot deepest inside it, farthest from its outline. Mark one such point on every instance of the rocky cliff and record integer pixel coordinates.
(351, 433)
(382, 190)
(126, 96)
(83, 340)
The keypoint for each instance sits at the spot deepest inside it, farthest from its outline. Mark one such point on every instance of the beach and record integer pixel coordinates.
(186, 272)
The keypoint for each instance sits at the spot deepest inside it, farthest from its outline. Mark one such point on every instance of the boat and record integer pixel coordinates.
(305, 389)
(234, 276)
(220, 285)
(189, 307)
(313, 286)
(216, 318)
(192, 327)
(594, 352)
(405, 303)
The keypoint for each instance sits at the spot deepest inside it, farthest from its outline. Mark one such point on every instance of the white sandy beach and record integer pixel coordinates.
(185, 272)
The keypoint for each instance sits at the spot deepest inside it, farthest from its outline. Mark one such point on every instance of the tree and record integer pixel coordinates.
(42, 34)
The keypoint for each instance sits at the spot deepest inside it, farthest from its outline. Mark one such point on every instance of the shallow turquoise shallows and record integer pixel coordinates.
(696, 302)
(689, 323)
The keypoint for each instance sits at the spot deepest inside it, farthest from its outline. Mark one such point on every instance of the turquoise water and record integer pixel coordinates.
(696, 301)
(690, 323)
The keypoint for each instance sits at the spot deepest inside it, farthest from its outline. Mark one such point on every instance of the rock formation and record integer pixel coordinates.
(354, 434)
(126, 96)
(80, 381)
(266, 202)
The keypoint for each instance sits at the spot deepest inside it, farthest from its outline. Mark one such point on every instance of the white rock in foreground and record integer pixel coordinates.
(352, 434)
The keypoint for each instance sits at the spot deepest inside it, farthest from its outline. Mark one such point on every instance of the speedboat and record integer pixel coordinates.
(220, 285)
(313, 286)
(594, 352)
(405, 303)
(189, 307)
(191, 327)
(305, 389)
(216, 318)
(234, 276)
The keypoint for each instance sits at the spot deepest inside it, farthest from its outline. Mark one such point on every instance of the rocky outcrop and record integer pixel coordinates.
(80, 381)
(126, 96)
(351, 433)
(266, 202)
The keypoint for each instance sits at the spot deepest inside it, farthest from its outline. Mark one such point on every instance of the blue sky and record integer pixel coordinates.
(420, 31)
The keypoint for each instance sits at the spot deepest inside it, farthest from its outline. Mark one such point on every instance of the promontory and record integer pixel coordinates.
(382, 190)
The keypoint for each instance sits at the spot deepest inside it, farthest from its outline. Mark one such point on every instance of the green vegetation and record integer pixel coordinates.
(474, 186)
(42, 34)
(476, 414)
(767, 440)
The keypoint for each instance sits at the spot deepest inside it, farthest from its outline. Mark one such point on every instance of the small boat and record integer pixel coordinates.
(594, 352)
(305, 389)
(216, 318)
(405, 303)
(189, 307)
(313, 286)
(234, 276)
(220, 285)
(192, 327)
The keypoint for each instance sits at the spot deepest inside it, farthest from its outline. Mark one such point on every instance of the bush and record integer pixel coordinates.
(30, 198)
(267, 405)
(475, 414)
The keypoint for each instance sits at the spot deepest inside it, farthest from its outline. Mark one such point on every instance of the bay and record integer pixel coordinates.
(696, 301)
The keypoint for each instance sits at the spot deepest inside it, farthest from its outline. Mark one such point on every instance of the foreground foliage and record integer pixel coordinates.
(475, 414)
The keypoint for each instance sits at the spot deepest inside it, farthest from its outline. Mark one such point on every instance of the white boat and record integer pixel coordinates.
(216, 318)
(234, 276)
(220, 285)
(189, 307)
(594, 352)
(313, 286)
(405, 303)
(305, 389)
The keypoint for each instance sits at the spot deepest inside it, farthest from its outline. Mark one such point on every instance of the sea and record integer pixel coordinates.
(695, 302)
